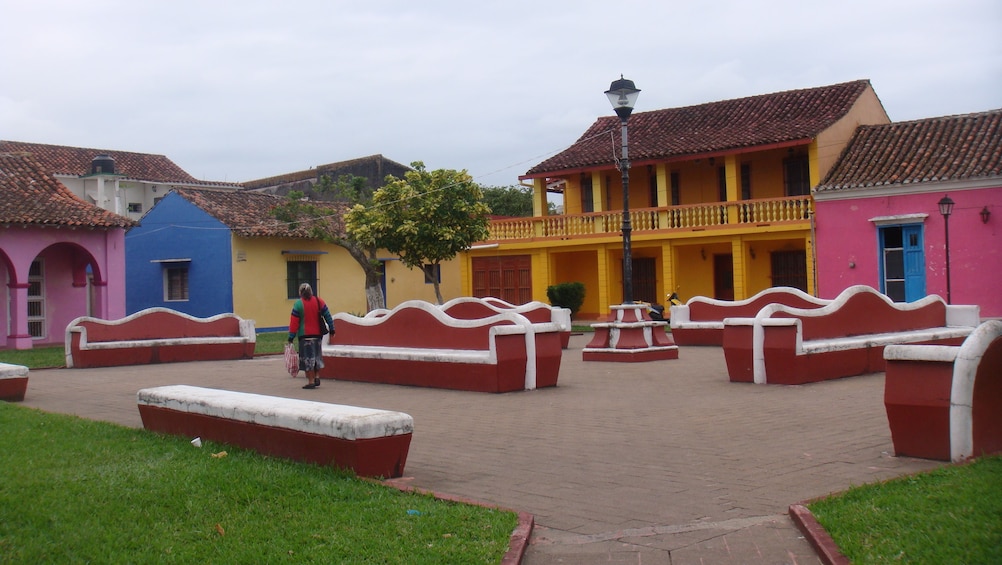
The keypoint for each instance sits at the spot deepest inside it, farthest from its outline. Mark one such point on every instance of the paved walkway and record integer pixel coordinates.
(663, 462)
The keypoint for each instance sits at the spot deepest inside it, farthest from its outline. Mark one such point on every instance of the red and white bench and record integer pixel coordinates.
(470, 308)
(157, 335)
(418, 344)
(945, 402)
(785, 345)
(373, 443)
(700, 321)
(13, 382)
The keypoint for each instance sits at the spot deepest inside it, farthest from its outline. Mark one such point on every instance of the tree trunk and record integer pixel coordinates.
(373, 269)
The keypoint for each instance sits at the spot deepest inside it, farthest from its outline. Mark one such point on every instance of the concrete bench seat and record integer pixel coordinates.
(371, 442)
(418, 344)
(945, 402)
(700, 321)
(786, 345)
(157, 335)
(13, 382)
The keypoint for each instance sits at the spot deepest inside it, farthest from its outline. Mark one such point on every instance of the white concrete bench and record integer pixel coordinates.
(373, 443)
(13, 382)
(418, 344)
(945, 402)
(786, 345)
(700, 321)
(157, 335)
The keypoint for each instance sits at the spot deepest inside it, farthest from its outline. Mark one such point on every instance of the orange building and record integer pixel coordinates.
(720, 202)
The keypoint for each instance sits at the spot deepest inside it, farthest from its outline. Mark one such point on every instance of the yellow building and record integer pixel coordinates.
(719, 198)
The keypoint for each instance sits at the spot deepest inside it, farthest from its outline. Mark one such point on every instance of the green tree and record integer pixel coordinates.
(426, 217)
(346, 191)
(515, 201)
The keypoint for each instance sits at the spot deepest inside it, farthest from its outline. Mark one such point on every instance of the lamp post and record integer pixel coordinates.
(946, 208)
(623, 95)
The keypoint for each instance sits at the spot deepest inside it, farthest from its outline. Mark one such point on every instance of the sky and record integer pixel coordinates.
(242, 90)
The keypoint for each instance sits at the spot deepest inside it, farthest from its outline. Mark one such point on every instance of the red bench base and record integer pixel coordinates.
(13, 389)
(376, 457)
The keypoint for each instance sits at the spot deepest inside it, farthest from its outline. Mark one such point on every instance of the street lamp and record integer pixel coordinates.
(623, 95)
(946, 208)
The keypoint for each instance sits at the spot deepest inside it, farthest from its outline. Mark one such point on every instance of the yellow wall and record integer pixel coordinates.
(259, 280)
(829, 144)
(404, 284)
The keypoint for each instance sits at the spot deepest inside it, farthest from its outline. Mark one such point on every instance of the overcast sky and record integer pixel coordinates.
(241, 90)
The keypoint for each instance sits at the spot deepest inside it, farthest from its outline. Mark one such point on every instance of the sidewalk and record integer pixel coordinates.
(663, 462)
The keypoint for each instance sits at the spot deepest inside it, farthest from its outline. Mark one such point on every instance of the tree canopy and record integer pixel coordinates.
(425, 218)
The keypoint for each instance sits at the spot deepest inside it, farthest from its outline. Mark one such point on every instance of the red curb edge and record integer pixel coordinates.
(816, 534)
(519, 540)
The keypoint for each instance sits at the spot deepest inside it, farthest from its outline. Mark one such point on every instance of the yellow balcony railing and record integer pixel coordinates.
(698, 216)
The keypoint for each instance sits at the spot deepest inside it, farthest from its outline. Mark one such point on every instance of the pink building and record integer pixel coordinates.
(878, 217)
(60, 257)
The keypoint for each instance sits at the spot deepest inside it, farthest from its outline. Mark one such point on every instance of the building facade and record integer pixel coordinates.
(60, 257)
(719, 197)
(879, 221)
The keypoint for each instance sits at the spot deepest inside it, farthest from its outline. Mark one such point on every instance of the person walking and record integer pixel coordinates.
(310, 320)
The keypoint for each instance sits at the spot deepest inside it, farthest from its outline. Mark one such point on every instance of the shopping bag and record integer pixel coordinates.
(291, 359)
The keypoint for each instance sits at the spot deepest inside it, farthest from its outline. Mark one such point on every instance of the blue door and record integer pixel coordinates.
(902, 268)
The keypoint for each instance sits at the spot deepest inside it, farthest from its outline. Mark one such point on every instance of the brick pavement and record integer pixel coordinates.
(663, 462)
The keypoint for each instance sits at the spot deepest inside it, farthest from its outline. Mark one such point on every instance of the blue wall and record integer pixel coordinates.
(173, 229)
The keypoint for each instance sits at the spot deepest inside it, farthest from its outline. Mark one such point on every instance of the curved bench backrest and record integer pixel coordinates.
(420, 325)
(976, 394)
(861, 310)
(157, 323)
(469, 308)
(705, 309)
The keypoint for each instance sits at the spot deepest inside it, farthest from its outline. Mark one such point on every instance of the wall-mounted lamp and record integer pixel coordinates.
(154, 189)
(751, 251)
(985, 214)
(702, 253)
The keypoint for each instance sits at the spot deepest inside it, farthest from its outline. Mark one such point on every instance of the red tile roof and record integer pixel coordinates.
(964, 147)
(248, 214)
(789, 116)
(376, 162)
(30, 197)
(76, 161)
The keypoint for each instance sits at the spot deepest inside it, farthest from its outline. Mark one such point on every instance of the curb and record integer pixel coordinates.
(817, 536)
(517, 543)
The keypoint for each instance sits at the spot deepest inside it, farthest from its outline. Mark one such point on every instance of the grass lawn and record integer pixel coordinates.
(950, 515)
(80, 491)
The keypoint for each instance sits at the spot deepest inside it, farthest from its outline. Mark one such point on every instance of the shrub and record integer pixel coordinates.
(567, 295)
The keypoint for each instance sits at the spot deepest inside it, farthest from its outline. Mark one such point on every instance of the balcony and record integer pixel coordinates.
(689, 217)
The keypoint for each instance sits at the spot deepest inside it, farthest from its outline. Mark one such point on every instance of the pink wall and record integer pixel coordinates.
(845, 236)
(65, 252)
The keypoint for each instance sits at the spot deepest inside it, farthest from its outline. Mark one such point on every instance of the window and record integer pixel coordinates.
(796, 176)
(432, 273)
(722, 184)
(587, 194)
(297, 273)
(176, 283)
(676, 189)
(789, 268)
(36, 299)
(135, 207)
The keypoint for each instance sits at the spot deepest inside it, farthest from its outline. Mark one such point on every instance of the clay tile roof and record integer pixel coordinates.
(329, 168)
(793, 115)
(964, 147)
(30, 197)
(76, 161)
(248, 214)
